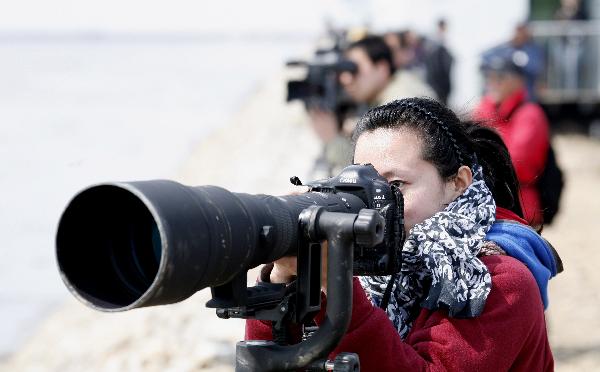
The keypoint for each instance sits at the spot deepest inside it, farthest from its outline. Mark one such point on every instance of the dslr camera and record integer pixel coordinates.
(127, 245)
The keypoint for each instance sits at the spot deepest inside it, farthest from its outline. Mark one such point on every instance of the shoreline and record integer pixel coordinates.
(254, 152)
(266, 142)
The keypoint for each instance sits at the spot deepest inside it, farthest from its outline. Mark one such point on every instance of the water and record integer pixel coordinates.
(75, 111)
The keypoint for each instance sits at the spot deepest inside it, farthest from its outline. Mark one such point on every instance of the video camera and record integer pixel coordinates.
(126, 245)
(321, 88)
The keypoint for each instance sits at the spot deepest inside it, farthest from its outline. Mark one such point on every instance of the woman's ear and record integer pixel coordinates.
(459, 183)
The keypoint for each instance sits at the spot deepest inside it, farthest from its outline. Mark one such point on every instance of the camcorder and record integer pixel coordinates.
(126, 245)
(320, 88)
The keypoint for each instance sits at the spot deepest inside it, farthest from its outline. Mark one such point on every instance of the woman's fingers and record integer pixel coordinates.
(284, 270)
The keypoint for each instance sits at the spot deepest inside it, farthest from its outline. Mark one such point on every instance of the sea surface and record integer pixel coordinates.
(80, 109)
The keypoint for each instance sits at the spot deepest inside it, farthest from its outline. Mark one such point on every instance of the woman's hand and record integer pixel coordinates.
(284, 270)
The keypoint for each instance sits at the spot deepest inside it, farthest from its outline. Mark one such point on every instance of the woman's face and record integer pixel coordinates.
(397, 156)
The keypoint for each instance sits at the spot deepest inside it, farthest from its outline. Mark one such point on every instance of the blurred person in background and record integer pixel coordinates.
(401, 54)
(571, 10)
(375, 81)
(378, 79)
(408, 79)
(528, 52)
(423, 63)
(438, 64)
(521, 123)
(413, 43)
(568, 51)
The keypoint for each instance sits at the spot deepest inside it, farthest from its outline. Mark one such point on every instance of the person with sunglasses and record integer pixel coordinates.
(375, 81)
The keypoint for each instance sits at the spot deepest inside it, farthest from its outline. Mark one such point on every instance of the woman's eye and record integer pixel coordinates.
(397, 183)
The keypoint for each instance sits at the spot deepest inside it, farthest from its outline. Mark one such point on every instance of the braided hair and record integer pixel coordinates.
(449, 143)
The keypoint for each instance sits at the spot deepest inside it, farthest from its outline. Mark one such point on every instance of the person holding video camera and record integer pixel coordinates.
(472, 289)
(374, 82)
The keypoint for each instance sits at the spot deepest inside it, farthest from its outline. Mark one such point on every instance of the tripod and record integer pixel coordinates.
(281, 306)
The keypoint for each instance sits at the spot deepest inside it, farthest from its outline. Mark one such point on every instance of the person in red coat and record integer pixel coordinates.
(522, 124)
(471, 292)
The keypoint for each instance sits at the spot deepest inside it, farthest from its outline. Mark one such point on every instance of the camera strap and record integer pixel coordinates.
(398, 242)
(388, 292)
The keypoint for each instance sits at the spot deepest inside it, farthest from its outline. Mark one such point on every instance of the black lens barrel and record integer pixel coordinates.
(125, 245)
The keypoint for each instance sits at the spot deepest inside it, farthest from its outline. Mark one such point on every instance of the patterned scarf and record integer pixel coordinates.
(440, 268)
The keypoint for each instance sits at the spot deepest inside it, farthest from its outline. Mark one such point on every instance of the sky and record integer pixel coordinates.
(256, 15)
(173, 15)
(474, 25)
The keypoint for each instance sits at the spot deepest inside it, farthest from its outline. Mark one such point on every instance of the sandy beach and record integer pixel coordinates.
(265, 144)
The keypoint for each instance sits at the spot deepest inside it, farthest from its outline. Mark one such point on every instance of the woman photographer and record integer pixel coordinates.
(471, 292)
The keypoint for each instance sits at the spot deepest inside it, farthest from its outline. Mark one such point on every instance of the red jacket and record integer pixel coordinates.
(524, 128)
(510, 334)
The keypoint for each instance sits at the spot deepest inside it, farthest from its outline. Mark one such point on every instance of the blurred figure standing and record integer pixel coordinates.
(528, 53)
(521, 123)
(423, 62)
(570, 10)
(401, 54)
(568, 50)
(413, 43)
(438, 64)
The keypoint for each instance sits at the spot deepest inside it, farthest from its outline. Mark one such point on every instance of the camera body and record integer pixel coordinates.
(364, 182)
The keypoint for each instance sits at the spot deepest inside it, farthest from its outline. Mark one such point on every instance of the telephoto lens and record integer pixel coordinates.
(125, 245)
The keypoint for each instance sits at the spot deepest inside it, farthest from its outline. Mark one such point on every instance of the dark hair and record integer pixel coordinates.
(441, 23)
(403, 38)
(449, 143)
(376, 49)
